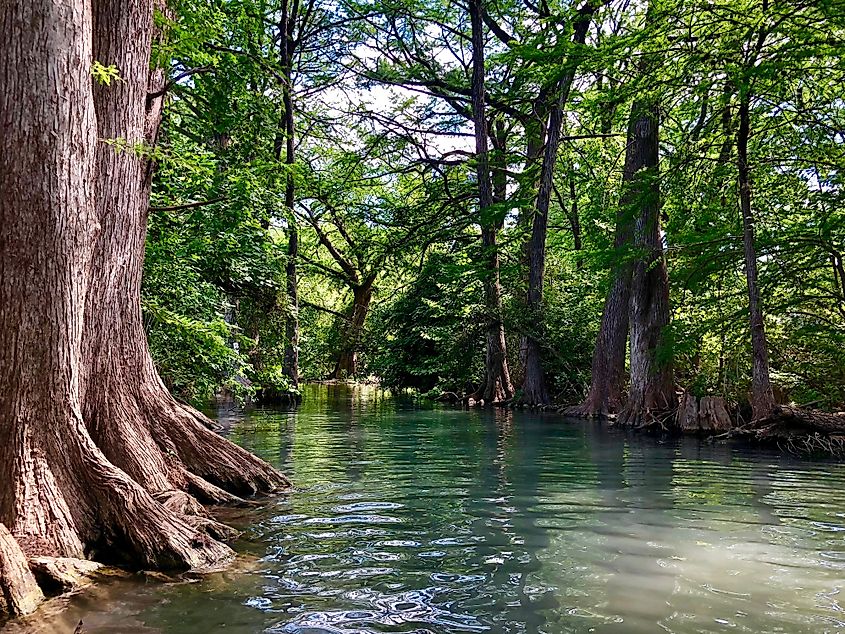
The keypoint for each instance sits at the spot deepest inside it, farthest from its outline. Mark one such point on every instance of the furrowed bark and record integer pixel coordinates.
(129, 413)
(651, 393)
(19, 592)
(92, 447)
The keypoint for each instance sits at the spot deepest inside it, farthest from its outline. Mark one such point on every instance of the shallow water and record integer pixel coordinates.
(407, 519)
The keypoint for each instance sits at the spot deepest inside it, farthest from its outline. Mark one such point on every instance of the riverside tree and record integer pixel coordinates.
(96, 457)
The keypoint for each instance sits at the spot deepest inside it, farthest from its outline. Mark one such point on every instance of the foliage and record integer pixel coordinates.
(385, 192)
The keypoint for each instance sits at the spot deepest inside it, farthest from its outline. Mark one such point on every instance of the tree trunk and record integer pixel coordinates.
(290, 363)
(762, 398)
(651, 392)
(287, 46)
(534, 390)
(497, 384)
(607, 382)
(347, 362)
(92, 446)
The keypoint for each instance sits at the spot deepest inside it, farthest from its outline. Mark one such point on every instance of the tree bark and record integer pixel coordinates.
(762, 397)
(19, 592)
(95, 455)
(497, 384)
(347, 362)
(125, 404)
(651, 392)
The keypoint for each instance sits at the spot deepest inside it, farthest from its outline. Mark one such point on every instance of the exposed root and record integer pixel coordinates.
(19, 591)
(181, 503)
(208, 493)
(214, 529)
(209, 456)
(57, 575)
(796, 431)
(646, 419)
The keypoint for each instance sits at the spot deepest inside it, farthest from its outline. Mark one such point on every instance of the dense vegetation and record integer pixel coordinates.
(629, 208)
(321, 163)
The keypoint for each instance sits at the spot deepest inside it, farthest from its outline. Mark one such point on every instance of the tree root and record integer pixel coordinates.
(796, 431)
(19, 591)
(646, 419)
(587, 410)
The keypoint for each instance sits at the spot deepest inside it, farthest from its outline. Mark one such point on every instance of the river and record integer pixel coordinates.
(411, 518)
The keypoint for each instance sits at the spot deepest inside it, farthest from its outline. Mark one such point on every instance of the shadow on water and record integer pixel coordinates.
(408, 518)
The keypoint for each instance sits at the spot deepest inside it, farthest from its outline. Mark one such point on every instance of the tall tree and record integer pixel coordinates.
(762, 397)
(534, 390)
(497, 384)
(94, 452)
(651, 392)
(288, 43)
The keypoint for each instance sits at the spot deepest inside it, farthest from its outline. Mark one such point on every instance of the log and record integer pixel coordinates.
(19, 592)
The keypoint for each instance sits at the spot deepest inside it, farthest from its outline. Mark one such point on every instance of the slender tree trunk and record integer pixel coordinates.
(290, 362)
(651, 392)
(95, 455)
(347, 362)
(497, 384)
(762, 398)
(534, 390)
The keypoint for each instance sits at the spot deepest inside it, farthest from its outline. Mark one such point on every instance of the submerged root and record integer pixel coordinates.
(587, 410)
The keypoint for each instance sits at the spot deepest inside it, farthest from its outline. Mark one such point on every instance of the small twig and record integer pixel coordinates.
(201, 203)
(175, 80)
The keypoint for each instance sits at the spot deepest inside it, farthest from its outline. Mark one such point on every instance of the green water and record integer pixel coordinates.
(412, 519)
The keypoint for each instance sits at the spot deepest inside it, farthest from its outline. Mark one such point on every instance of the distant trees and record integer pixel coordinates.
(574, 158)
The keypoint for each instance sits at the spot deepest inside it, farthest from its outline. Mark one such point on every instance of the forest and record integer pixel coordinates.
(612, 209)
(490, 201)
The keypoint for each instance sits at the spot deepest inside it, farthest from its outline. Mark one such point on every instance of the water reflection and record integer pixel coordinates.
(412, 519)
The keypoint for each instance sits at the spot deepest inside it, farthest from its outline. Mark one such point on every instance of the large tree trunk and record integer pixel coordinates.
(347, 361)
(125, 404)
(651, 392)
(91, 444)
(762, 398)
(497, 384)
(607, 383)
(608, 369)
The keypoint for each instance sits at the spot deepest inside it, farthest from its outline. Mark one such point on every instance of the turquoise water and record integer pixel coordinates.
(412, 519)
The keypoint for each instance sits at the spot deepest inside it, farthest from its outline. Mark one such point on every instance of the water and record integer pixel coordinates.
(407, 519)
